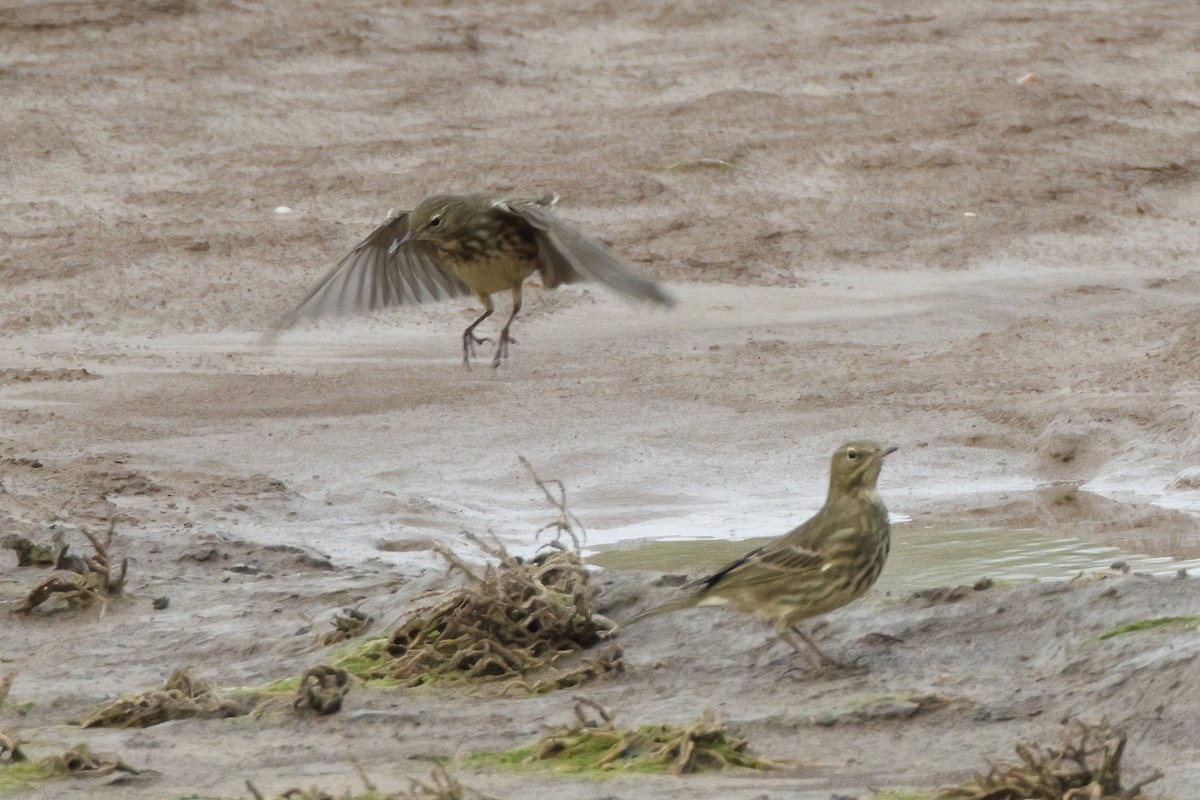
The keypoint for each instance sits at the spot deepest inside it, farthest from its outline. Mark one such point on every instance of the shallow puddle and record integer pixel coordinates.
(921, 557)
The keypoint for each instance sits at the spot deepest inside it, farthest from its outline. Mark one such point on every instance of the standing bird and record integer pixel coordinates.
(455, 245)
(825, 563)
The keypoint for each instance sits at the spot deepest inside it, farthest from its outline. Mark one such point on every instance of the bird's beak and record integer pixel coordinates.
(396, 245)
(889, 451)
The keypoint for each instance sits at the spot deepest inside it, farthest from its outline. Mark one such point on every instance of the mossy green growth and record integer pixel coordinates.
(854, 702)
(584, 758)
(22, 775)
(901, 794)
(1147, 624)
(357, 660)
(604, 750)
(364, 657)
(281, 686)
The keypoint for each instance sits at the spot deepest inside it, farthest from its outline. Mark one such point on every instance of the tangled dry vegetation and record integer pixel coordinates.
(596, 744)
(516, 622)
(79, 582)
(519, 621)
(181, 697)
(1086, 765)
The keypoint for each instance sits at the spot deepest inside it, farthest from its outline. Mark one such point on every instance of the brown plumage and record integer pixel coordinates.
(825, 563)
(456, 245)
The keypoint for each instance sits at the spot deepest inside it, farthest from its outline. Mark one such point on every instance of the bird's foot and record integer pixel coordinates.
(469, 342)
(816, 657)
(830, 669)
(502, 348)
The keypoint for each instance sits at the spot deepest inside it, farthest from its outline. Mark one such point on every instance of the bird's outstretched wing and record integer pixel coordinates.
(567, 255)
(382, 270)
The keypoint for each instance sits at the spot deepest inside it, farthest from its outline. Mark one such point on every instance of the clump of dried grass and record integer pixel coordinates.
(518, 621)
(181, 697)
(1086, 765)
(517, 618)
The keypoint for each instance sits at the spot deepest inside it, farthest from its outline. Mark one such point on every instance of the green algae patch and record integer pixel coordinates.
(279, 687)
(600, 749)
(902, 794)
(1147, 624)
(364, 660)
(24, 775)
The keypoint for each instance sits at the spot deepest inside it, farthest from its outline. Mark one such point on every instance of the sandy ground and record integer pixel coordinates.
(914, 245)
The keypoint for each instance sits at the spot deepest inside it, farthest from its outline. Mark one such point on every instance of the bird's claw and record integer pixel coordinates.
(469, 342)
(501, 350)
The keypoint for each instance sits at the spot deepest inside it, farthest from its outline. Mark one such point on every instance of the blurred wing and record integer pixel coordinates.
(382, 270)
(567, 254)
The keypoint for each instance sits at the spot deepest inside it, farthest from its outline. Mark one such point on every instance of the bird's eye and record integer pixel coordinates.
(436, 222)
(851, 454)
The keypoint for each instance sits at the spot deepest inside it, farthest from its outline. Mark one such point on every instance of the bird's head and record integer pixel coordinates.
(442, 218)
(856, 465)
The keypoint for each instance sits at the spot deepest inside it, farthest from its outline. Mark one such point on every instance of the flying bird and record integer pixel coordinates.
(457, 245)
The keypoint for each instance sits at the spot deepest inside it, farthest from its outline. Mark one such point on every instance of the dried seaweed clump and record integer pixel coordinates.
(350, 623)
(1085, 766)
(518, 618)
(598, 745)
(80, 582)
(322, 688)
(181, 697)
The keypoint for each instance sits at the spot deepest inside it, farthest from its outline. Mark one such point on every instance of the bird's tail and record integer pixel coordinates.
(674, 605)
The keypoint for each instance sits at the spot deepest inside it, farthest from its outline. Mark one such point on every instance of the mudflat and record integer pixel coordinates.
(969, 231)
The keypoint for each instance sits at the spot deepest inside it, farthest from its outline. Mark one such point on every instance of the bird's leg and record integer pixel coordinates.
(821, 659)
(469, 338)
(502, 346)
